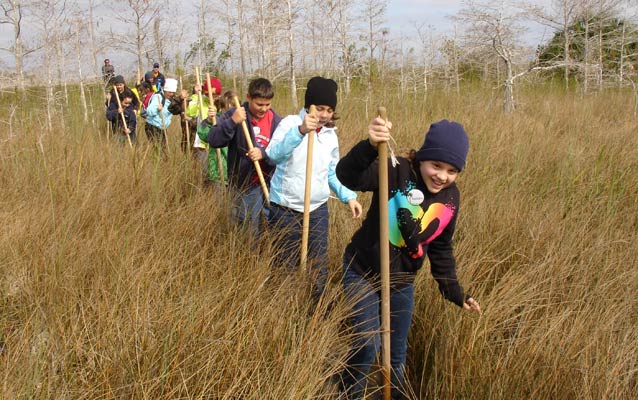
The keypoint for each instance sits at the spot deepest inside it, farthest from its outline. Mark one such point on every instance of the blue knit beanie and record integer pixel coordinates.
(445, 141)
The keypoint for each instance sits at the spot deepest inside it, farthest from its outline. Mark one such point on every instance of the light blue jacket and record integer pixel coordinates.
(288, 150)
(153, 116)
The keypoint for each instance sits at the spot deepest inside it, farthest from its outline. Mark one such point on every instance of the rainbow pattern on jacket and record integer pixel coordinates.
(436, 211)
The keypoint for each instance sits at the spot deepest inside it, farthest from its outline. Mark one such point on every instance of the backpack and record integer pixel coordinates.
(147, 100)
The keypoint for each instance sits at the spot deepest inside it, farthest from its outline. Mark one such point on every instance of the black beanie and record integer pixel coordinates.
(321, 92)
(118, 79)
(445, 141)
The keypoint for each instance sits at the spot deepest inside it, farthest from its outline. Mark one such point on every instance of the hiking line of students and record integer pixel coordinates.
(423, 199)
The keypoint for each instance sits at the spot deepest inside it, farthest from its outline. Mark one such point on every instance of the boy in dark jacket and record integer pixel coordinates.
(423, 206)
(261, 121)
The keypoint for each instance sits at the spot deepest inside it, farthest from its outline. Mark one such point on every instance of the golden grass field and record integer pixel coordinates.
(121, 277)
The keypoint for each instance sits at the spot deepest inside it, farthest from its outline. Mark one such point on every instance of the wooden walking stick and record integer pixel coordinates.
(188, 131)
(249, 142)
(384, 250)
(220, 163)
(119, 105)
(306, 198)
(200, 99)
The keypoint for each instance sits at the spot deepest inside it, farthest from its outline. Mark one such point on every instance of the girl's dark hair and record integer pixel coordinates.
(143, 85)
(333, 120)
(261, 87)
(220, 103)
(411, 156)
(225, 100)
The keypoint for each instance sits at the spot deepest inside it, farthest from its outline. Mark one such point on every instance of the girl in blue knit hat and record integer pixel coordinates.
(423, 203)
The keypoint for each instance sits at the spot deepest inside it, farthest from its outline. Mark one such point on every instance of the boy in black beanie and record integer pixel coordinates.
(423, 205)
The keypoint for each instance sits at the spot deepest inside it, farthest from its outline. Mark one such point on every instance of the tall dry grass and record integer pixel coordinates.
(122, 277)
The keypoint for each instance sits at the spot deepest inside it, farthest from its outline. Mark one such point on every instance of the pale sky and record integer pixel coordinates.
(402, 15)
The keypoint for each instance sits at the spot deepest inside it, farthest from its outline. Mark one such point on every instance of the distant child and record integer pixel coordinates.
(149, 78)
(261, 122)
(158, 116)
(114, 114)
(222, 104)
(423, 209)
(288, 149)
(207, 156)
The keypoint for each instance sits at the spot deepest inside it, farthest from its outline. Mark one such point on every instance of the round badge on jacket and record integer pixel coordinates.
(415, 197)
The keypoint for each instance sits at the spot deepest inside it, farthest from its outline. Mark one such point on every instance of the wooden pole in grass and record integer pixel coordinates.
(188, 130)
(119, 105)
(199, 94)
(220, 163)
(250, 145)
(384, 250)
(306, 198)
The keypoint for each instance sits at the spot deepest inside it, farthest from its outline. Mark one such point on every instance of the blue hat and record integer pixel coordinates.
(445, 141)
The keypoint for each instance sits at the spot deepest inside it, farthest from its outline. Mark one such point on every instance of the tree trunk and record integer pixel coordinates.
(78, 48)
(509, 104)
(242, 44)
(140, 41)
(566, 43)
(621, 60)
(96, 67)
(291, 54)
(586, 51)
(18, 50)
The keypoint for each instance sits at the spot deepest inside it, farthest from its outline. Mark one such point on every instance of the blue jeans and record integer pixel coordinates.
(289, 224)
(365, 323)
(249, 207)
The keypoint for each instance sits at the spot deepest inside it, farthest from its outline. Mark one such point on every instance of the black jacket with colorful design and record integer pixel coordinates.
(420, 222)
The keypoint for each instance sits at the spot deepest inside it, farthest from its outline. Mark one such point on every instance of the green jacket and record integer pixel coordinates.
(213, 170)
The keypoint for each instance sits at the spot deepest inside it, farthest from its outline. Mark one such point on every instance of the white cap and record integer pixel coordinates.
(170, 85)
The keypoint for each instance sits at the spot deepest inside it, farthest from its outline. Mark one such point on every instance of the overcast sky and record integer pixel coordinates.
(402, 16)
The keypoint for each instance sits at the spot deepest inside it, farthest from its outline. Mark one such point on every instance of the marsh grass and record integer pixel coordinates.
(121, 276)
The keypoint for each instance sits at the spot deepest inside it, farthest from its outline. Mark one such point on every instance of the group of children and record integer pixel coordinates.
(423, 203)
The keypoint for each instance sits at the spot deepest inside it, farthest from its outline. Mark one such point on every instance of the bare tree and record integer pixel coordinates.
(13, 11)
(496, 25)
(92, 42)
(374, 14)
(344, 28)
(50, 15)
(139, 14)
(78, 50)
(426, 41)
(628, 36)
(561, 16)
(290, 20)
(242, 44)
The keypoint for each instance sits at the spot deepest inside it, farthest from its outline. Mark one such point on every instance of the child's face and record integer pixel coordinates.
(324, 113)
(258, 106)
(126, 102)
(437, 175)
